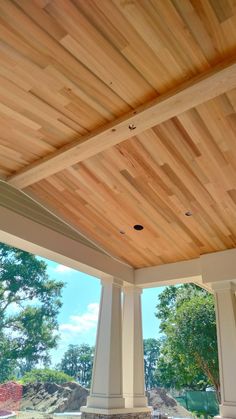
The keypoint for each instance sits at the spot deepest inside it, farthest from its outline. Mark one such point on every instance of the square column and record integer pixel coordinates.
(106, 395)
(133, 360)
(106, 390)
(226, 333)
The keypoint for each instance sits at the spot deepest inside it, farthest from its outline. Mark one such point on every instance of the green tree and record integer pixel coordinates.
(151, 354)
(189, 352)
(7, 365)
(46, 376)
(78, 363)
(29, 305)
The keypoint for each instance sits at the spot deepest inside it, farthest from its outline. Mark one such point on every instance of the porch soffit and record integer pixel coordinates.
(22, 204)
(68, 68)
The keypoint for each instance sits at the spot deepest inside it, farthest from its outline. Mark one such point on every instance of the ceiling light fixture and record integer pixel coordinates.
(138, 227)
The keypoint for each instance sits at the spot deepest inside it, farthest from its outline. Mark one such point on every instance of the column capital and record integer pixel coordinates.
(132, 289)
(112, 281)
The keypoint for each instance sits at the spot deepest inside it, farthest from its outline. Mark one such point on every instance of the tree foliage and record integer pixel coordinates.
(29, 305)
(189, 351)
(151, 354)
(78, 363)
(46, 376)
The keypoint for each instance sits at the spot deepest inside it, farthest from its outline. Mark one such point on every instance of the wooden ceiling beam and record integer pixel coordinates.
(209, 85)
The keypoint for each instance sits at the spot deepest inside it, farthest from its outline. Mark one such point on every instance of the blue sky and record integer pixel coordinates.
(78, 316)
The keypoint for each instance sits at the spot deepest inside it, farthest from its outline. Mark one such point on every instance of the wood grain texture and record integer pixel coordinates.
(69, 67)
(199, 90)
(184, 164)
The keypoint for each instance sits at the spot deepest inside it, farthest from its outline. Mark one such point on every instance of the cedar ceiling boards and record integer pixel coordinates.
(69, 67)
(184, 164)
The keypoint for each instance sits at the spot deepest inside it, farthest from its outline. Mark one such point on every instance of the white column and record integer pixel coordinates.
(133, 363)
(106, 390)
(226, 333)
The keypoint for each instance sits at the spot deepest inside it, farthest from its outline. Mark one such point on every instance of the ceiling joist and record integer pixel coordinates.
(190, 94)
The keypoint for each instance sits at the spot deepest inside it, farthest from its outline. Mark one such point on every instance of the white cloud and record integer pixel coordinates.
(13, 308)
(83, 323)
(62, 269)
(80, 328)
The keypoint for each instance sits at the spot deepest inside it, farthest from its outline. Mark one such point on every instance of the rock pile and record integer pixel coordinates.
(165, 405)
(51, 397)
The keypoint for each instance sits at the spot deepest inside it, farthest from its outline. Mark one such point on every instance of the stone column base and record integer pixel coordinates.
(223, 417)
(131, 413)
(116, 416)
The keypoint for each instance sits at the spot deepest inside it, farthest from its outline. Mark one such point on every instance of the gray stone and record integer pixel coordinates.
(136, 415)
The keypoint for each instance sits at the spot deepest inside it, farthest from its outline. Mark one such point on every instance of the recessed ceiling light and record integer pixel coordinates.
(188, 213)
(132, 127)
(138, 227)
(122, 232)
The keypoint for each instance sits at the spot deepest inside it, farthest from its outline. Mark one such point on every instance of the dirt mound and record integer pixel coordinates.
(51, 397)
(165, 404)
(69, 397)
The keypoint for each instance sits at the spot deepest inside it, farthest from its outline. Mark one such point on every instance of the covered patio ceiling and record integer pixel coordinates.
(122, 112)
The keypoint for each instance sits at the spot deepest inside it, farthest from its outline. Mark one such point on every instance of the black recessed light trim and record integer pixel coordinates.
(188, 213)
(138, 227)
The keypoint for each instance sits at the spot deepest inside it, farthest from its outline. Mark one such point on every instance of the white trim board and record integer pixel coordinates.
(19, 231)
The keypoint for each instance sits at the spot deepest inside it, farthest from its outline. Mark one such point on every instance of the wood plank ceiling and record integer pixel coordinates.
(68, 67)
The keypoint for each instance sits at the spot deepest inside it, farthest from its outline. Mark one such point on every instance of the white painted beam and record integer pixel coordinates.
(19, 231)
(203, 271)
(219, 266)
(169, 274)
